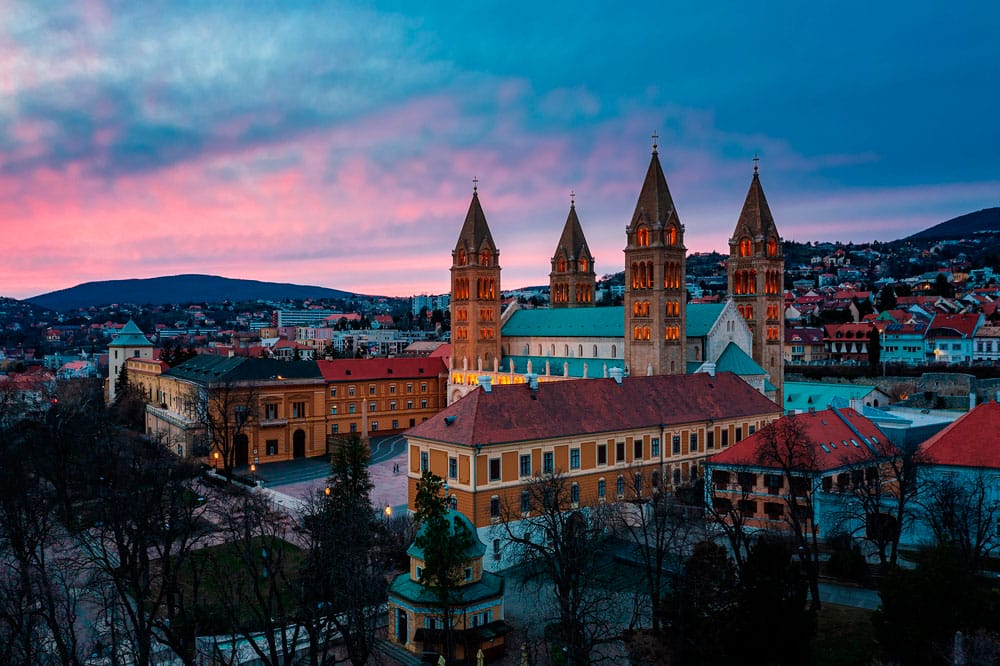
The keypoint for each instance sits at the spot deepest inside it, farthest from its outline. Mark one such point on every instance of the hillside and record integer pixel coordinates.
(962, 226)
(177, 289)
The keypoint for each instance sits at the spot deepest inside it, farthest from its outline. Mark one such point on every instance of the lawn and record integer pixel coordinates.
(845, 637)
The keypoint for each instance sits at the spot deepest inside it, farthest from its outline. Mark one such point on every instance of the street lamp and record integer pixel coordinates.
(326, 491)
(215, 461)
(388, 511)
(253, 473)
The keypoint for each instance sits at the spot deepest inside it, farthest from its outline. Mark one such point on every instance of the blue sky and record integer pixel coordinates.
(335, 144)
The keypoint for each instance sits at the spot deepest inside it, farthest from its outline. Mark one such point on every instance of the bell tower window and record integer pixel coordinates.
(746, 247)
(772, 248)
(642, 236)
(561, 265)
(461, 258)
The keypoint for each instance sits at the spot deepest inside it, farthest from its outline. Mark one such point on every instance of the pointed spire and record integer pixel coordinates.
(475, 231)
(755, 219)
(655, 205)
(572, 242)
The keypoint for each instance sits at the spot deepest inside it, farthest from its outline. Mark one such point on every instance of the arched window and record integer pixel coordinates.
(579, 352)
(561, 264)
(672, 236)
(565, 350)
(584, 265)
(746, 247)
(772, 247)
(595, 351)
(642, 236)
(462, 259)
(552, 350)
(484, 258)
(614, 351)
(635, 275)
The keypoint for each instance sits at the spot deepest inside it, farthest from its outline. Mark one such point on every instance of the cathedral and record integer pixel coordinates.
(655, 332)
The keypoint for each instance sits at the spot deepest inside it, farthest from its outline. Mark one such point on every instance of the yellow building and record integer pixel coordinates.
(603, 435)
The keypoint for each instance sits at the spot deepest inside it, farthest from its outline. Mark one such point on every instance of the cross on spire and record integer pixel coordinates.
(755, 161)
(572, 197)
(475, 184)
(655, 137)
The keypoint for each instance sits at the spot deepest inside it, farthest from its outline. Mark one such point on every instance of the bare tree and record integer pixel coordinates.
(42, 582)
(148, 522)
(727, 502)
(228, 411)
(881, 489)
(565, 547)
(962, 513)
(662, 528)
(786, 447)
(254, 575)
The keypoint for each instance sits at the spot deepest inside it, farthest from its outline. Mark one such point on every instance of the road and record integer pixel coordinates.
(291, 472)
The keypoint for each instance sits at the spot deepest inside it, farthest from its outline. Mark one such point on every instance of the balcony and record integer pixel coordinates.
(273, 423)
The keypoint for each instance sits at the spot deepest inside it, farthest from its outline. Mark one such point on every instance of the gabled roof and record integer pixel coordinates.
(572, 243)
(363, 369)
(475, 232)
(755, 219)
(971, 441)
(836, 438)
(735, 360)
(130, 336)
(811, 336)
(513, 413)
(701, 317)
(954, 325)
(655, 206)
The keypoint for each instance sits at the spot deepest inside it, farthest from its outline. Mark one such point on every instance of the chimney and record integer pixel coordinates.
(486, 381)
(532, 381)
(616, 374)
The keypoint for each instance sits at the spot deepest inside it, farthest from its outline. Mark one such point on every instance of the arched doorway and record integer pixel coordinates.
(241, 446)
(299, 444)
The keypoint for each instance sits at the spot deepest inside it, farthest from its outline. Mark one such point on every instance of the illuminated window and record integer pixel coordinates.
(584, 265)
(642, 236)
(746, 247)
(561, 264)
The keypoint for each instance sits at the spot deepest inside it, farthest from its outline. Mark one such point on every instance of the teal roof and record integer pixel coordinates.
(701, 317)
(475, 550)
(801, 396)
(595, 366)
(735, 360)
(597, 322)
(131, 336)
(567, 322)
(490, 586)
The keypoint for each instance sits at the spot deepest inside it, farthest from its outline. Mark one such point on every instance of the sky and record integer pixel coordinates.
(335, 144)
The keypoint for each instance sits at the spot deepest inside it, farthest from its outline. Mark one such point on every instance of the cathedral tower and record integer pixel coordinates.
(756, 281)
(655, 294)
(572, 280)
(475, 294)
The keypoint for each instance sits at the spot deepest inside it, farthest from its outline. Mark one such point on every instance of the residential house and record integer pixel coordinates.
(804, 346)
(950, 337)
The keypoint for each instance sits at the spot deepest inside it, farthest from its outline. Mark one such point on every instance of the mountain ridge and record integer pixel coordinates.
(987, 219)
(184, 288)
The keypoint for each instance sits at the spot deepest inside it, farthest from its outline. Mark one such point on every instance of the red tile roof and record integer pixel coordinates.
(361, 369)
(956, 325)
(516, 413)
(813, 336)
(836, 429)
(971, 441)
